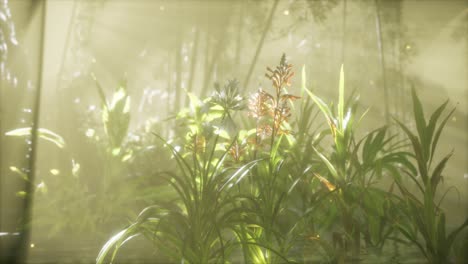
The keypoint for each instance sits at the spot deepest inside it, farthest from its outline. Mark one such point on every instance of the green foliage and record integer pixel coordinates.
(193, 228)
(350, 173)
(258, 193)
(115, 114)
(73, 199)
(426, 216)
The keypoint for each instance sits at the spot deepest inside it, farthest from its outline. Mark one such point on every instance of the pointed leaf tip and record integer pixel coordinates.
(341, 95)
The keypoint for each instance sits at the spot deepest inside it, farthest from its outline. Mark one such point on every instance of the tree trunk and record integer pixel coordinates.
(239, 39)
(20, 249)
(260, 45)
(382, 59)
(343, 40)
(178, 70)
(216, 54)
(194, 55)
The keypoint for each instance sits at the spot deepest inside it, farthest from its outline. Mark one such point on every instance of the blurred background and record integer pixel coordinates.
(64, 174)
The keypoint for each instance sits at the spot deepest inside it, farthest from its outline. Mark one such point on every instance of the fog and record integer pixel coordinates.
(78, 173)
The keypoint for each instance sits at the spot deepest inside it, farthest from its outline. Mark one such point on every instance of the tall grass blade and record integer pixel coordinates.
(341, 105)
(420, 125)
(303, 80)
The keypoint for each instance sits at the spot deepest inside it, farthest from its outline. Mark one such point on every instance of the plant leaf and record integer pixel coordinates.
(329, 165)
(42, 133)
(437, 173)
(420, 125)
(439, 131)
(432, 124)
(323, 107)
(341, 96)
(303, 80)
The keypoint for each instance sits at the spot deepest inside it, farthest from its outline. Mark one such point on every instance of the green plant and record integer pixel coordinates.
(55, 189)
(351, 170)
(115, 118)
(261, 196)
(426, 217)
(268, 234)
(73, 198)
(193, 227)
(197, 226)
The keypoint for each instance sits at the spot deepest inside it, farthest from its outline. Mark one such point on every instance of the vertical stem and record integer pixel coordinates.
(211, 67)
(194, 54)
(343, 28)
(208, 162)
(64, 104)
(23, 242)
(168, 88)
(178, 69)
(398, 102)
(67, 44)
(217, 52)
(239, 37)
(256, 139)
(1, 166)
(382, 58)
(260, 45)
(275, 116)
(401, 66)
(207, 58)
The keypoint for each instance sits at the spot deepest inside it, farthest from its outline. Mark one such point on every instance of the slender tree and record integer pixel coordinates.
(178, 69)
(219, 48)
(20, 249)
(193, 63)
(378, 28)
(260, 44)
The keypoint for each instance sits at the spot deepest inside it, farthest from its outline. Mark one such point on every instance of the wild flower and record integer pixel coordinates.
(196, 143)
(237, 151)
(281, 76)
(228, 96)
(260, 104)
(273, 111)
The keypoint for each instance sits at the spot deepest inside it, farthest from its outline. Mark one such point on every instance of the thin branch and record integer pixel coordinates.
(382, 58)
(260, 45)
(194, 55)
(178, 70)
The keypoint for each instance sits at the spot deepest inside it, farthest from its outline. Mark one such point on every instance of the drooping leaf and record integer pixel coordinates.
(439, 131)
(116, 242)
(437, 173)
(329, 165)
(417, 151)
(322, 105)
(451, 237)
(43, 133)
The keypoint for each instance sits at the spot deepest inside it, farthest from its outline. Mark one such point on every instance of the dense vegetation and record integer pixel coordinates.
(272, 185)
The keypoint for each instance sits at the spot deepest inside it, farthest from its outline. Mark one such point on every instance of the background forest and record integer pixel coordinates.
(100, 99)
